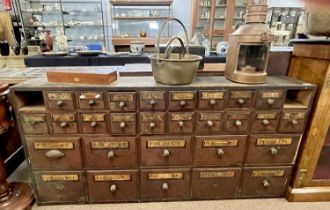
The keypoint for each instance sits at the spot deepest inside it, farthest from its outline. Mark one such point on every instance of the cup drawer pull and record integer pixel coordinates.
(54, 154)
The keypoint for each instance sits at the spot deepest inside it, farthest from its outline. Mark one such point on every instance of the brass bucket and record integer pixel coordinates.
(174, 69)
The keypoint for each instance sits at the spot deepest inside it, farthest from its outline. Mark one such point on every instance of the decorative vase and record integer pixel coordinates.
(49, 40)
(4, 48)
(24, 46)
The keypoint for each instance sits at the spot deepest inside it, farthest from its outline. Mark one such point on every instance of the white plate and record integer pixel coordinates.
(55, 53)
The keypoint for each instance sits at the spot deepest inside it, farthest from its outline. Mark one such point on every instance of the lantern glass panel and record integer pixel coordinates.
(252, 58)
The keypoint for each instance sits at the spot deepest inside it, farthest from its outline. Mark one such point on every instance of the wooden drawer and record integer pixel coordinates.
(122, 101)
(215, 183)
(293, 121)
(60, 186)
(219, 150)
(166, 151)
(272, 149)
(64, 123)
(93, 123)
(165, 184)
(211, 100)
(265, 181)
(181, 122)
(270, 99)
(185, 100)
(209, 122)
(123, 124)
(91, 100)
(34, 123)
(241, 99)
(237, 122)
(108, 152)
(152, 122)
(54, 153)
(153, 100)
(112, 186)
(60, 100)
(265, 122)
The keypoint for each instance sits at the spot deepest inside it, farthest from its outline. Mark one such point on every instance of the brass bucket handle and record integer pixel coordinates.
(169, 49)
(161, 30)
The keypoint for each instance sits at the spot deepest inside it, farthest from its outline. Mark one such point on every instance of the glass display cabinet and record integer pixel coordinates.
(81, 21)
(139, 20)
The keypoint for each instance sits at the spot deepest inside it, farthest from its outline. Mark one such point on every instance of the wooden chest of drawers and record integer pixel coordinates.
(136, 140)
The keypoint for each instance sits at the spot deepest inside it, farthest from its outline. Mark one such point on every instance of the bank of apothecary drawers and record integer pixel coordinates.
(156, 143)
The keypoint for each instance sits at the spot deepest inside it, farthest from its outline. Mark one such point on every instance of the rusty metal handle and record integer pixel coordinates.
(169, 49)
(54, 154)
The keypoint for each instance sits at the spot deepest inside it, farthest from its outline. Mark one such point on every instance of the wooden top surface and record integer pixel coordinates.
(148, 82)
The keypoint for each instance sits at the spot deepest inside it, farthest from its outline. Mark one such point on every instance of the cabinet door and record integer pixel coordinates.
(322, 170)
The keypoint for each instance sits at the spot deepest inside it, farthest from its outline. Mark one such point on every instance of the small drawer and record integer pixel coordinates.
(272, 149)
(211, 100)
(166, 151)
(34, 123)
(237, 122)
(107, 152)
(293, 121)
(54, 153)
(165, 184)
(215, 183)
(123, 124)
(219, 150)
(181, 122)
(152, 100)
(152, 122)
(265, 122)
(241, 99)
(93, 123)
(91, 100)
(57, 187)
(209, 122)
(112, 186)
(64, 123)
(182, 100)
(60, 100)
(265, 181)
(270, 99)
(122, 101)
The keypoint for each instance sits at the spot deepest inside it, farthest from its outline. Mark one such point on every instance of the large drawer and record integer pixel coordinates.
(112, 186)
(166, 151)
(215, 183)
(54, 153)
(219, 150)
(60, 187)
(265, 181)
(109, 152)
(165, 184)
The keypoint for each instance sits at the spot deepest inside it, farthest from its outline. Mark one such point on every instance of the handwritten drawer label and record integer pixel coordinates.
(181, 117)
(271, 94)
(59, 96)
(122, 97)
(274, 141)
(241, 94)
(263, 173)
(159, 176)
(112, 177)
(212, 95)
(220, 143)
(209, 116)
(216, 174)
(53, 145)
(182, 96)
(296, 115)
(93, 117)
(63, 117)
(109, 145)
(121, 118)
(67, 177)
(166, 143)
(91, 96)
(270, 116)
(152, 95)
(154, 117)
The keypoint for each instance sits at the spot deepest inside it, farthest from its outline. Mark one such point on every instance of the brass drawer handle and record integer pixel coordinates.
(220, 152)
(122, 104)
(212, 102)
(63, 124)
(273, 151)
(122, 125)
(294, 122)
(166, 153)
(93, 124)
(111, 154)
(270, 101)
(182, 103)
(152, 125)
(59, 103)
(238, 123)
(265, 122)
(209, 123)
(165, 186)
(113, 188)
(91, 102)
(54, 154)
(241, 101)
(152, 103)
(265, 183)
(181, 124)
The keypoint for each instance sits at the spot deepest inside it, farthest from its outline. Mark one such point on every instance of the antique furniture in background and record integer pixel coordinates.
(311, 63)
(136, 140)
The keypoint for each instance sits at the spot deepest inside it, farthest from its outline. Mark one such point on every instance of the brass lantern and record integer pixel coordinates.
(249, 46)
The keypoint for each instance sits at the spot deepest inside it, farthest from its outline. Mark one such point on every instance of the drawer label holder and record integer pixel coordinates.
(182, 96)
(59, 96)
(109, 144)
(182, 116)
(112, 177)
(152, 95)
(209, 116)
(53, 145)
(267, 173)
(166, 143)
(160, 176)
(212, 95)
(220, 143)
(271, 94)
(273, 141)
(122, 97)
(294, 115)
(216, 174)
(240, 94)
(35, 118)
(67, 177)
(93, 117)
(63, 117)
(270, 116)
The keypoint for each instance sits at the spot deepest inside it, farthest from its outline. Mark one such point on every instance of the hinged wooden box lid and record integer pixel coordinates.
(76, 75)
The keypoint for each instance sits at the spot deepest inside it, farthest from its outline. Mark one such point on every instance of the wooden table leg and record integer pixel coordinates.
(15, 195)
